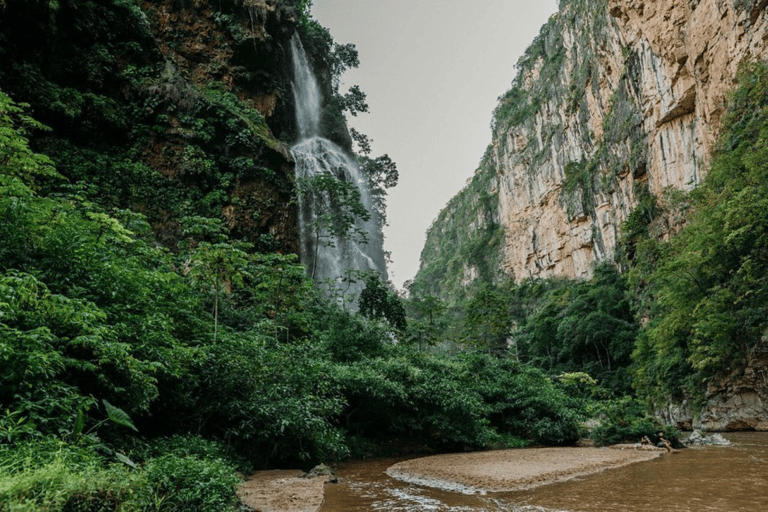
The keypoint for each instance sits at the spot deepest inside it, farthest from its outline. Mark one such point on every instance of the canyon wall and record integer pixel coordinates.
(613, 101)
(731, 403)
(616, 104)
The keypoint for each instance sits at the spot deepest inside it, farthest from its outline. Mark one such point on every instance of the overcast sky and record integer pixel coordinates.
(432, 70)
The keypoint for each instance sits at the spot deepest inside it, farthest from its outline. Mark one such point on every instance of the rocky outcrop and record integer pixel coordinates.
(737, 402)
(696, 438)
(245, 50)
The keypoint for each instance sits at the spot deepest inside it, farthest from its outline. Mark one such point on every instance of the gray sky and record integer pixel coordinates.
(432, 70)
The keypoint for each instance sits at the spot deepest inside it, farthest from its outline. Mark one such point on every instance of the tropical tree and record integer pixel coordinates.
(216, 268)
(487, 322)
(378, 301)
(338, 219)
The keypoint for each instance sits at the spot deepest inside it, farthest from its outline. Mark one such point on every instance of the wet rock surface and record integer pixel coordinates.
(696, 438)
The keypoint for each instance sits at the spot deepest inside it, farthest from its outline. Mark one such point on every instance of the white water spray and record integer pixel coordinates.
(328, 257)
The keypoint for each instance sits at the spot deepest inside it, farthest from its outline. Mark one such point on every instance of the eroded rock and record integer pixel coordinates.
(658, 74)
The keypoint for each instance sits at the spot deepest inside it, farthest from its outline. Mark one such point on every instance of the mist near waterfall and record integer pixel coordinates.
(331, 259)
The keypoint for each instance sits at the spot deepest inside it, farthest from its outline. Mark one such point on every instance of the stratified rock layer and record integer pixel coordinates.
(656, 80)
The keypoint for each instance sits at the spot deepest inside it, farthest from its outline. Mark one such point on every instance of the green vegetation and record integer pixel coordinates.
(705, 290)
(466, 230)
(153, 348)
(688, 309)
(135, 126)
(142, 378)
(557, 325)
(331, 59)
(683, 312)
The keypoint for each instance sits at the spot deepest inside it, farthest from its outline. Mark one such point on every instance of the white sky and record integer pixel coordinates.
(432, 71)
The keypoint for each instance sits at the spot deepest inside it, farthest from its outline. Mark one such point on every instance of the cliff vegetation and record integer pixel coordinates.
(615, 180)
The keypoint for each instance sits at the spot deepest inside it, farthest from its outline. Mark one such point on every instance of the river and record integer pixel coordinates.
(723, 479)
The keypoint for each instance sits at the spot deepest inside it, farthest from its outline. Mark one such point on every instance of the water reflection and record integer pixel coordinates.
(729, 479)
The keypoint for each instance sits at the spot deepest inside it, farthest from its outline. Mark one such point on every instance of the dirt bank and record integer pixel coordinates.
(282, 491)
(510, 470)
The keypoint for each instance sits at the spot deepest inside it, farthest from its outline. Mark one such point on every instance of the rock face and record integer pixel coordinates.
(738, 402)
(662, 70)
(247, 52)
(613, 100)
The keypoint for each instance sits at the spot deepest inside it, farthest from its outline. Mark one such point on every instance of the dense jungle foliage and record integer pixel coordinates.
(112, 347)
(149, 350)
(146, 363)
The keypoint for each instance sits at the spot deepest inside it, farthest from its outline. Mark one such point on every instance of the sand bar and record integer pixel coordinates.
(512, 470)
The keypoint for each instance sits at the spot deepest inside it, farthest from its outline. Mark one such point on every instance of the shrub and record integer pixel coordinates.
(182, 483)
(625, 420)
(51, 475)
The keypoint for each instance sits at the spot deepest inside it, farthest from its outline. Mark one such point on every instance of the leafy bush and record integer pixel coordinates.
(625, 420)
(191, 445)
(447, 403)
(272, 402)
(181, 483)
(411, 397)
(52, 475)
(350, 338)
(57, 486)
(523, 402)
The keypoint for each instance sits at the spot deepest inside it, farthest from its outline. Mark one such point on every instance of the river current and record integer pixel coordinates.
(722, 479)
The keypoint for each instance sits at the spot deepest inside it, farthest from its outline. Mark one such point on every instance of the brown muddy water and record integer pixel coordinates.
(722, 479)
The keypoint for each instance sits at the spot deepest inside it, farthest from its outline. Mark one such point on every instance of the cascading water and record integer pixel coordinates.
(329, 257)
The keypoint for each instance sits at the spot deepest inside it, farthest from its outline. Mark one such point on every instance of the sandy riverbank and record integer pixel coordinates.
(511, 470)
(501, 470)
(282, 491)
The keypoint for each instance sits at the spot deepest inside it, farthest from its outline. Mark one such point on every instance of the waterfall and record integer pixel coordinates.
(306, 92)
(329, 257)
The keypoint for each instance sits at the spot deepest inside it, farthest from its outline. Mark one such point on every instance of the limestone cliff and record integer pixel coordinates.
(613, 100)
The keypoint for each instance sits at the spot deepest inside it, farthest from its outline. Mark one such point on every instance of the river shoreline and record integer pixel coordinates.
(468, 473)
(514, 470)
